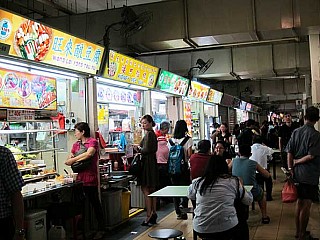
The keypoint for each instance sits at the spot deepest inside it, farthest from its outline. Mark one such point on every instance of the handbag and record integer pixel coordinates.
(82, 165)
(289, 192)
(242, 209)
(136, 165)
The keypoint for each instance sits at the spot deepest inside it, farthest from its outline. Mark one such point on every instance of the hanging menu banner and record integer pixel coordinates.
(34, 41)
(172, 83)
(214, 96)
(198, 91)
(24, 90)
(130, 70)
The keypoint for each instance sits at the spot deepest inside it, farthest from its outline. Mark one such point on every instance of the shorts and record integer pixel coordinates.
(307, 191)
(257, 193)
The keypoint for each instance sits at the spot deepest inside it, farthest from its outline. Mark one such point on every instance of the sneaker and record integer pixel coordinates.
(182, 216)
(99, 235)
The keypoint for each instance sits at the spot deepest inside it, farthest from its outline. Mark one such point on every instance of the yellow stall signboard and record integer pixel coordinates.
(130, 70)
(34, 41)
(24, 90)
(198, 91)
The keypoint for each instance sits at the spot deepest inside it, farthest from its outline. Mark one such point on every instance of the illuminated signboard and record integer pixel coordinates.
(172, 83)
(130, 70)
(243, 105)
(37, 42)
(198, 91)
(24, 90)
(248, 107)
(107, 94)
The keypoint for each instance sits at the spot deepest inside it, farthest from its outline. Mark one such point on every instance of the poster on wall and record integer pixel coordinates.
(35, 41)
(172, 83)
(107, 94)
(126, 69)
(24, 90)
(187, 115)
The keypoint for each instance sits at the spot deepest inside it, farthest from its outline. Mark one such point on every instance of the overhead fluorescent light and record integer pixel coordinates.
(12, 62)
(138, 87)
(121, 107)
(13, 67)
(50, 74)
(59, 72)
(159, 96)
(112, 82)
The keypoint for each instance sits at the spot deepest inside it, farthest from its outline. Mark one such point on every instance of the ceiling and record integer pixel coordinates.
(257, 45)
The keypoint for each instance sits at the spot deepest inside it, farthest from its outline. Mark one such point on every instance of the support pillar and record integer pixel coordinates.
(314, 46)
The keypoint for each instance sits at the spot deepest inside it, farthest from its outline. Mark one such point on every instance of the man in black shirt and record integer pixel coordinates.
(246, 135)
(284, 135)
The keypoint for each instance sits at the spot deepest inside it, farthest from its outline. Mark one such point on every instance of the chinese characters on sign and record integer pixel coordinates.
(20, 115)
(34, 41)
(172, 83)
(198, 91)
(130, 70)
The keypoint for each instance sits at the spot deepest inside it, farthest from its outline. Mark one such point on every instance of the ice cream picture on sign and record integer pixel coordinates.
(32, 40)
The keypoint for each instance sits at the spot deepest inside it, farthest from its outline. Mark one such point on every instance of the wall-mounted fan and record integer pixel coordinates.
(203, 66)
(132, 23)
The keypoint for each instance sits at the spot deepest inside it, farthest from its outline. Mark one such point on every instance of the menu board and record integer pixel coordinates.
(24, 90)
(248, 107)
(107, 94)
(37, 42)
(243, 105)
(130, 70)
(187, 115)
(172, 83)
(198, 91)
(214, 96)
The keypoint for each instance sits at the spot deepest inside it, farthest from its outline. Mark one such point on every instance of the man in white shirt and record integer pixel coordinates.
(260, 154)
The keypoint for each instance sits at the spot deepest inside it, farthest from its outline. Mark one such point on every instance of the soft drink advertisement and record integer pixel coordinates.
(198, 91)
(130, 70)
(34, 41)
(24, 90)
(172, 83)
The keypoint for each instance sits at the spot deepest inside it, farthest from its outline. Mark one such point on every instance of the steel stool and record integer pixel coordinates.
(165, 233)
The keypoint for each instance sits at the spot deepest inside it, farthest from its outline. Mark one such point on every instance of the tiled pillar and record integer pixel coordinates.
(314, 46)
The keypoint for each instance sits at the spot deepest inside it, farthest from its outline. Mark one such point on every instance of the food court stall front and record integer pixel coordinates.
(42, 95)
(166, 100)
(211, 113)
(194, 110)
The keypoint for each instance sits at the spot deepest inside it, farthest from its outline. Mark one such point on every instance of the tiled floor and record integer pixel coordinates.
(281, 227)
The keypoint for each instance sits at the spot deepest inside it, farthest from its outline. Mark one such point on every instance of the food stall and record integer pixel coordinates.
(211, 111)
(173, 87)
(197, 95)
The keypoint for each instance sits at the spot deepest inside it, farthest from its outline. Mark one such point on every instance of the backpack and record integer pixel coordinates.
(176, 160)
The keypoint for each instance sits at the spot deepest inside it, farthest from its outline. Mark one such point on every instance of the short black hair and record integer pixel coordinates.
(204, 146)
(257, 139)
(312, 114)
(245, 150)
(83, 126)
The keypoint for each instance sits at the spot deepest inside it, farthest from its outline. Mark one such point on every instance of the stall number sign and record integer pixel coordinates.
(20, 115)
(4, 49)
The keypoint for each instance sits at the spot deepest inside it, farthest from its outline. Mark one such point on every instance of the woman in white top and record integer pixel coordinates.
(215, 216)
(179, 134)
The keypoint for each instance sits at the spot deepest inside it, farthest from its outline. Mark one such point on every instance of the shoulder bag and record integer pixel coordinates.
(242, 209)
(82, 165)
(136, 165)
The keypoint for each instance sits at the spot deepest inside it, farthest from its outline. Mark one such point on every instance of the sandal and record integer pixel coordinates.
(265, 220)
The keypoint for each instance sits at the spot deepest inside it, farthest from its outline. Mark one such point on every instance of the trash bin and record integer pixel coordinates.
(137, 197)
(36, 228)
(111, 200)
(125, 203)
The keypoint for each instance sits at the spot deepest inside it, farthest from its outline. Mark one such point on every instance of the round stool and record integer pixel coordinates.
(165, 233)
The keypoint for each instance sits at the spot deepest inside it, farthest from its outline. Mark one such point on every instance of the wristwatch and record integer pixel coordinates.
(20, 232)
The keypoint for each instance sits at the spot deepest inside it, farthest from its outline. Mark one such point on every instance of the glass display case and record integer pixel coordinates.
(33, 146)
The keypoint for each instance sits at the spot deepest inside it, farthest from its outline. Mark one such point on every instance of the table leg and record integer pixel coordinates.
(274, 168)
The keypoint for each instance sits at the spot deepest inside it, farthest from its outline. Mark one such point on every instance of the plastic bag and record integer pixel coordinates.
(289, 192)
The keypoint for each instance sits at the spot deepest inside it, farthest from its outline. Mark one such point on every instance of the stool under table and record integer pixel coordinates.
(165, 233)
